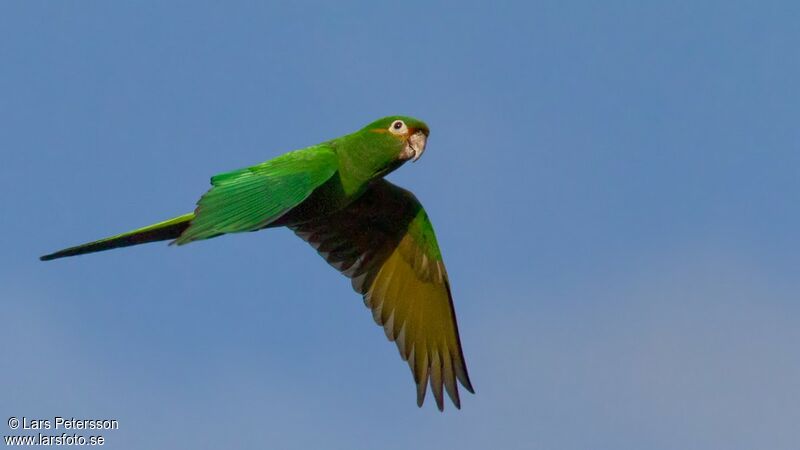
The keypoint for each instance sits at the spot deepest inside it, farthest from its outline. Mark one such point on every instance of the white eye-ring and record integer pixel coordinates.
(398, 127)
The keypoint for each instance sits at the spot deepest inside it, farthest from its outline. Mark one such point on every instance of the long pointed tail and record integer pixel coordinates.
(169, 229)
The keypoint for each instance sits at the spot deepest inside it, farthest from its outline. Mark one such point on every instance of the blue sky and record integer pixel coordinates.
(615, 189)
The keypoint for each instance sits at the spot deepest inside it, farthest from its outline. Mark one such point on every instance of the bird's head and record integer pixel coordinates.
(405, 135)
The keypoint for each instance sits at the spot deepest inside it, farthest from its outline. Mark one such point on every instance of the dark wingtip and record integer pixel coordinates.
(48, 257)
(463, 377)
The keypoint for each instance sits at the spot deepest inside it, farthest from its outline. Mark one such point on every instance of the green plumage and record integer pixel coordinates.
(168, 229)
(250, 199)
(333, 196)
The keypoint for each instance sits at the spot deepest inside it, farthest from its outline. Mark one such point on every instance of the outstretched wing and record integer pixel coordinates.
(249, 199)
(385, 243)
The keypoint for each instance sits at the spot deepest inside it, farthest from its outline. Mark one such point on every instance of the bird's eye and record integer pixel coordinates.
(398, 127)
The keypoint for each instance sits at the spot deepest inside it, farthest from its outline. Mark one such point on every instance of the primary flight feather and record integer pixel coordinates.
(334, 197)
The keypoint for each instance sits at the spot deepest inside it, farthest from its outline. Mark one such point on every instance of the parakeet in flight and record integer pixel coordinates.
(334, 197)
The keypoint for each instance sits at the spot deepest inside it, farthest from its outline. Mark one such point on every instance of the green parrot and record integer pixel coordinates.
(334, 197)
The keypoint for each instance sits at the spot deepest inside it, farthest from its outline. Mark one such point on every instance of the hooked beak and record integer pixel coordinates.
(415, 146)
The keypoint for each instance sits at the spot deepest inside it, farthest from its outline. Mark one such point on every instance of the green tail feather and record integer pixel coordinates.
(169, 229)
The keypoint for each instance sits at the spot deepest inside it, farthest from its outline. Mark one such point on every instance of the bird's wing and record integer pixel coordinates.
(385, 243)
(249, 199)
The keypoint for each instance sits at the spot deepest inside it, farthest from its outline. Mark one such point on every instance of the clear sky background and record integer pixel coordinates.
(615, 187)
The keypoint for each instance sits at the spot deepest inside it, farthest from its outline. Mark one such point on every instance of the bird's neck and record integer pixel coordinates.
(361, 163)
